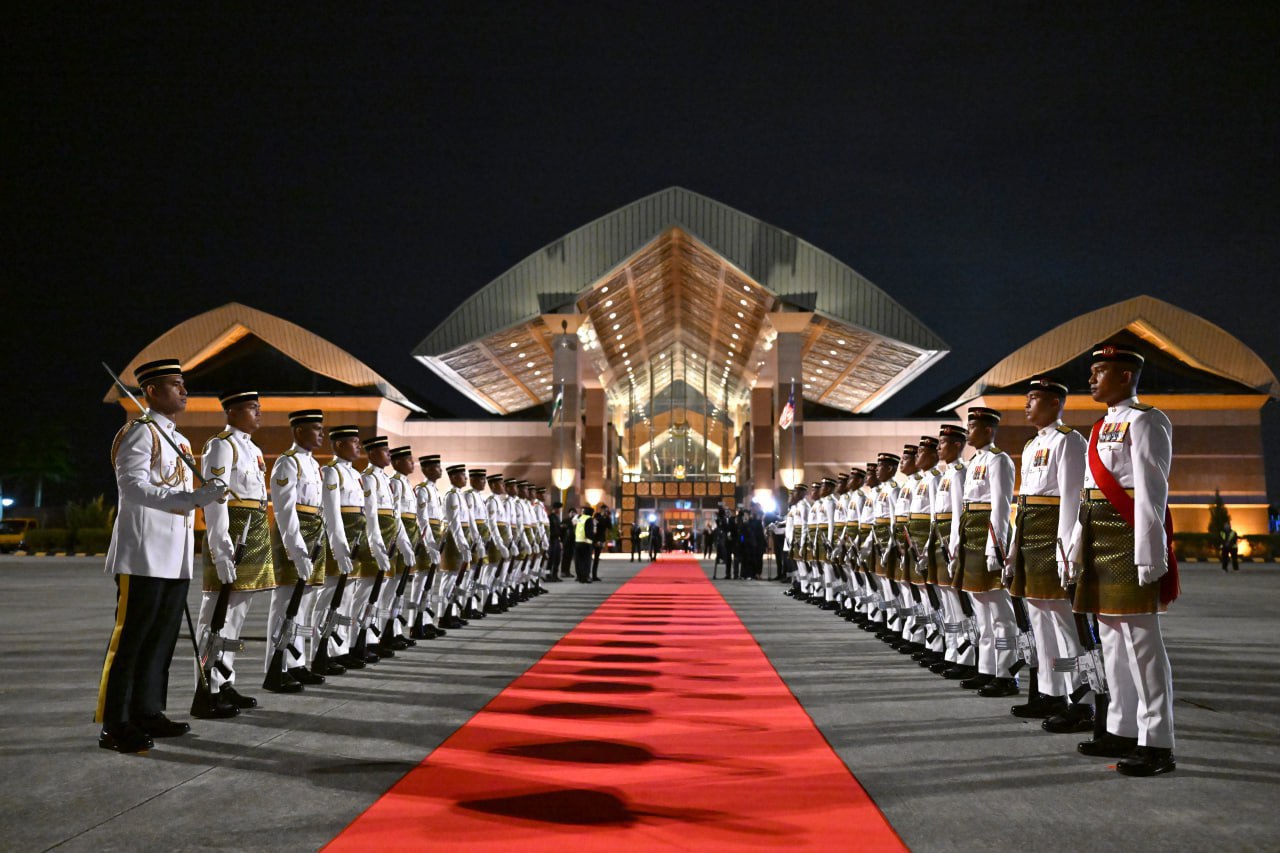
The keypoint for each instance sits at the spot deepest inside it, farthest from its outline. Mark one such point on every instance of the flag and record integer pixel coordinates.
(555, 408)
(788, 412)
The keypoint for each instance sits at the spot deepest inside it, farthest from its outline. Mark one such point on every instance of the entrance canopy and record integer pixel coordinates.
(677, 288)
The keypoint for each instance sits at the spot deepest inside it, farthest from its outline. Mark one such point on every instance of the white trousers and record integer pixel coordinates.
(1055, 632)
(340, 639)
(237, 610)
(993, 611)
(1139, 677)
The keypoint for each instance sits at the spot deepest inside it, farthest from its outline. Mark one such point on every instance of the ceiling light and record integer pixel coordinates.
(741, 315)
(825, 362)
(840, 341)
(735, 336)
(818, 371)
(604, 289)
(833, 352)
(626, 361)
(737, 325)
(514, 345)
(608, 302)
(618, 337)
(747, 288)
(519, 355)
(537, 373)
(529, 364)
(743, 302)
(613, 314)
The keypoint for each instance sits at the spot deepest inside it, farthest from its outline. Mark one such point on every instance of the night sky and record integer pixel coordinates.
(997, 168)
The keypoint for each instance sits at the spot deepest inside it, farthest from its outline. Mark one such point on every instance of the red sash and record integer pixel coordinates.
(1123, 503)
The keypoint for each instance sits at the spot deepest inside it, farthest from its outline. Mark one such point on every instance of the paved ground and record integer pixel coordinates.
(951, 771)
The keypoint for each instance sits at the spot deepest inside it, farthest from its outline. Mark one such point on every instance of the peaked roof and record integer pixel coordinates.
(1182, 335)
(781, 262)
(203, 336)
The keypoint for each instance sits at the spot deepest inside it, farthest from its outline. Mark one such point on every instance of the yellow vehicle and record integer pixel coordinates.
(13, 533)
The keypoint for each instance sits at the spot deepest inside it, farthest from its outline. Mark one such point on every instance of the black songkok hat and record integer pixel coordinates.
(233, 398)
(344, 431)
(928, 441)
(156, 369)
(908, 450)
(982, 413)
(1048, 384)
(802, 487)
(401, 452)
(460, 468)
(511, 481)
(306, 416)
(477, 472)
(891, 458)
(1121, 354)
(858, 472)
(827, 481)
(430, 459)
(495, 478)
(953, 431)
(375, 442)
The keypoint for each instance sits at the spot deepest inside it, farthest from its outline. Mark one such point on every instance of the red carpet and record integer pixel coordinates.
(658, 721)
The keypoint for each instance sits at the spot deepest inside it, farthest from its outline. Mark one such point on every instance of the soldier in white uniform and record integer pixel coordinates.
(490, 542)
(343, 506)
(961, 654)
(1122, 549)
(792, 539)
(875, 614)
(913, 631)
(499, 511)
(298, 551)
(860, 589)
(395, 633)
(150, 556)
(384, 538)
(822, 521)
(456, 551)
(1048, 502)
(799, 543)
(239, 523)
(979, 570)
(428, 589)
(886, 554)
(925, 553)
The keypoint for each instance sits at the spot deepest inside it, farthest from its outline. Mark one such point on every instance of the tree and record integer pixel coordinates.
(39, 458)
(1219, 518)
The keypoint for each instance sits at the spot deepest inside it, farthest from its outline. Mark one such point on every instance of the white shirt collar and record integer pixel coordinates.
(161, 420)
(1050, 428)
(1123, 404)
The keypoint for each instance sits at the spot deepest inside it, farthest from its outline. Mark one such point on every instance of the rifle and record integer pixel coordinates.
(1025, 643)
(212, 644)
(332, 618)
(934, 611)
(966, 625)
(1089, 664)
(288, 630)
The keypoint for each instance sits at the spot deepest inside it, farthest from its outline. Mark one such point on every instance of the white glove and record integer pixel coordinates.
(1150, 574)
(345, 565)
(994, 565)
(477, 554)
(1006, 574)
(226, 570)
(433, 553)
(504, 552)
(951, 568)
(304, 565)
(214, 491)
(410, 560)
(1065, 572)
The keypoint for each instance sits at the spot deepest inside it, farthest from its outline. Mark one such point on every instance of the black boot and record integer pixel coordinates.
(1147, 761)
(279, 681)
(208, 706)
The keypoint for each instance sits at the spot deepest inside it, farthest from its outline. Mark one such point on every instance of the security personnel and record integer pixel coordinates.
(152, 572)
(1122, 546)
(343, 507)
(297, 550)
(427, 586)
(959, 660)
(979, 571)
(242, 520)
(1048, 501)
(1229, 547)
(456, 552)
(407, 506)
(582, 530)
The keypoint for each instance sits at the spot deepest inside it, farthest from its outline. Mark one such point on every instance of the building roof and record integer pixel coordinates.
(197, 340)
(1179, 334)
(671, 266)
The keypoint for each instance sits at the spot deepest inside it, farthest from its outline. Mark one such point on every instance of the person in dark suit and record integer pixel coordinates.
(599, 536)
(635, 541)
(555, 544)
(753, 544)
(655, 539)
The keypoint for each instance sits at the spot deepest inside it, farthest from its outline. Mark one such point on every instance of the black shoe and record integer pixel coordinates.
(207, 706)
(398, 644)
(830, 605)
(977, 682)
(451, 622)
(1040, 707)
(940, 667)
(302, 675)
(160, 726)
(350, 661)
(124, 737)
(1108, 746)
(281, 682)
(333, 667)
(232, 697)
(371, 657)
(1073, 718)
(381, 650)
(998, 687)
(1147, 761)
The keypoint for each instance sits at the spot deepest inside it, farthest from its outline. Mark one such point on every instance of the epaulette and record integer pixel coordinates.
(996, 451)
(1064, 429)
(935, 472)
(225, 434)
(1142, 407)
(959, 465)
(1028, 444)
(332, 463)
(290, 452)
(126, 429)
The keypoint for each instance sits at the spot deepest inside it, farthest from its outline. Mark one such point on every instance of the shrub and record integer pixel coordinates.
(1264, 545)
(1195, 546)
(95, 514)
(93, 540)
(48, 539)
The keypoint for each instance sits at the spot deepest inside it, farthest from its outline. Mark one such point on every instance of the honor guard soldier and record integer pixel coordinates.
(237, 544)
(1048, 500)
(856, 498)
(456, 549)
(886, 553)
(298, 552)
(521, 552)
(428, 590)
(396, 632)
(988, 495)
(490, 542)
(823, 520)
(1122, 547)
(151, 557)
(544, 533)
(867, 551)
(496, 505)
(925, 553)
(912, 629)
(385, 539)
(840, 546)
(959, 660)
(793, 539)
(343, 507)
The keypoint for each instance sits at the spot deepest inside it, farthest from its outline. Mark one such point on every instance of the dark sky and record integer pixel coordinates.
(996, 168)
